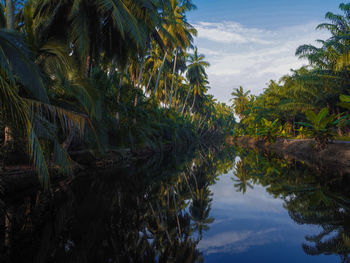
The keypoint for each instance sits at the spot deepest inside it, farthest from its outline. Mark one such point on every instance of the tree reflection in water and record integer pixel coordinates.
(149, 211)
(156, 210)
(313, 198)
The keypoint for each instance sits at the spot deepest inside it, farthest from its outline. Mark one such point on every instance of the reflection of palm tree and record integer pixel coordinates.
(310, 199)
(243, 180)
(143, 216)
(200, 210)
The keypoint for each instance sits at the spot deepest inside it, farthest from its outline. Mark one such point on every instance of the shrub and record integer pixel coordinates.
(321, 126)
(269, 130)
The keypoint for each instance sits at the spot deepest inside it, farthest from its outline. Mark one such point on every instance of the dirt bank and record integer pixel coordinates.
(334, 158)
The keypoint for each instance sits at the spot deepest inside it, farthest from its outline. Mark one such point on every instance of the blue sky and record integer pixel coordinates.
(250, 42)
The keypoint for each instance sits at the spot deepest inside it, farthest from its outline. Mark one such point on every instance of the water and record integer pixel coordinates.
(215, 205)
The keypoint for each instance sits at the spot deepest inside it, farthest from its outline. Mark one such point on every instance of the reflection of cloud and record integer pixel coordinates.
(227, 199)
(248, 56)
(237, 242)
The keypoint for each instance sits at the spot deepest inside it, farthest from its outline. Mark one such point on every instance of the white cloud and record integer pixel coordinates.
(230, 32)
(249, 56)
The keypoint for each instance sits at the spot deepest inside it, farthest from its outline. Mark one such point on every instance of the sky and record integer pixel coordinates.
(249, 43)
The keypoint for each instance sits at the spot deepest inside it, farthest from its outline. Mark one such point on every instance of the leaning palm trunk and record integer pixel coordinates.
(173, 79)
(139, 82)
(149, 81)
(188, 94)
(194, 101)
(160, 73)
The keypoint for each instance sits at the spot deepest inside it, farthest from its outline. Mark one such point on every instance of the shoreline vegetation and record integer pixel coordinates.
(303, 112)
(89, 76)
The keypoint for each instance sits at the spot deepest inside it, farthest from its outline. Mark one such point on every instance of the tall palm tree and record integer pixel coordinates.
(196, 74)
(177, 32)
(240, 100)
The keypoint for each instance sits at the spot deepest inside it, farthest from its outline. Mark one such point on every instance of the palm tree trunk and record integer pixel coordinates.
(10, 24)
(149, 81)
(194, 101)
(10, 14)
(172, 82)
(176, 89)
(139, 83)
(141, 72)
(160, 73)
(183, 108)
(8, 136)
(88, 66)
(165, 88)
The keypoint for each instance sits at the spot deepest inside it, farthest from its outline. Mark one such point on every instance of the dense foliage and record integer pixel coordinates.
(81, 74)
(323, 83)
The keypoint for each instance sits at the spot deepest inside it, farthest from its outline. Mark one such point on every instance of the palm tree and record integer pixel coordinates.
(240, 101)
(243, 181)
(17, 69)
(196, 75)
(176, 33)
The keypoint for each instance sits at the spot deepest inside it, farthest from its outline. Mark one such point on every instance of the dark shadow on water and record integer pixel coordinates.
(149, 210)
(157, 209)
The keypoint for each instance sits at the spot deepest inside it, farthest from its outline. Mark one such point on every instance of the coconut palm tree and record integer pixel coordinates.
(177, 33)
(196, 75)
(240, 101)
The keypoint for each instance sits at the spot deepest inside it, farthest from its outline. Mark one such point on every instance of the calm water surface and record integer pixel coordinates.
(215, 205)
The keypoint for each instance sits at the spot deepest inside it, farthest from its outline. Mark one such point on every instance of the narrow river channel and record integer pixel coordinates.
(217, 204)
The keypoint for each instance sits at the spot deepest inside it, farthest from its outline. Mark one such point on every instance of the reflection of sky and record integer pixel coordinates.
(253, 228)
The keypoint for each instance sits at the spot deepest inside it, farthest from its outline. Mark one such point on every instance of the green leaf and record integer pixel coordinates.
(305, 124)
(311, 116)
(322, 114)
(344, 98)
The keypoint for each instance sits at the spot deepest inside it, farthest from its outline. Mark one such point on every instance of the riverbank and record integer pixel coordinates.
(335, 157)
(23, 178)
